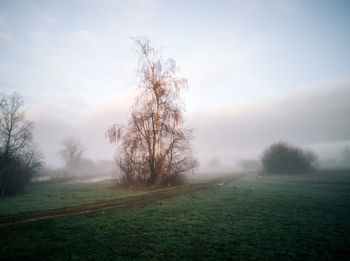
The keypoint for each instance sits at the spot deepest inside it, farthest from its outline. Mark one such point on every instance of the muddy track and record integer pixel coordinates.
(114, 204)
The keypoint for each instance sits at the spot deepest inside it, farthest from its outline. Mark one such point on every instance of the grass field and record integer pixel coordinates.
(318, 176)
(55, 196)
(52, 196)
(246, 219)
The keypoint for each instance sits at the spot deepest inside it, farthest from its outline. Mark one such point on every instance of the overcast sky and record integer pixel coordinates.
(258, 71)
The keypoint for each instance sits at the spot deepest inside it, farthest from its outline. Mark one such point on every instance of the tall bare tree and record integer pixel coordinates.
(18, 157)
(15, 130)
(72, 152)
(154, 148)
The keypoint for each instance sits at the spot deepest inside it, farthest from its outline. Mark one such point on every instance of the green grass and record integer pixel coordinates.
(318, 176)
(52, 196)
(243, 220)
(55, 196)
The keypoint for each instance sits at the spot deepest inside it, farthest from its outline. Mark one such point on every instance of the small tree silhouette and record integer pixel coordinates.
(283, 158)
(19, 160)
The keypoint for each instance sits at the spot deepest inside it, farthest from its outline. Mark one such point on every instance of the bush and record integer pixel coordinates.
(16, 172)
(283, 158)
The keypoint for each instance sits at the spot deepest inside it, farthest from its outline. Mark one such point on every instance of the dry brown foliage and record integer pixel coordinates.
(154, 147)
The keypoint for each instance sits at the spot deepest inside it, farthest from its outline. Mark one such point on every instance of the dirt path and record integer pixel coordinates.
(114, 204)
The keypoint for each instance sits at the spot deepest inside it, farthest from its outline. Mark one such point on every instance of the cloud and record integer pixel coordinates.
(225, 72)
(317, 115)
(217, 62)
(37, 36)
(9, 87)
(81, 38)
(5, 38)
(141, 10)
(48, 19)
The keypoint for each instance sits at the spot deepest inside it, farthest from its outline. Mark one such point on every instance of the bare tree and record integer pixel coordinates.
(72, 152)
(15, 130)
(19, 159)
(154, 148)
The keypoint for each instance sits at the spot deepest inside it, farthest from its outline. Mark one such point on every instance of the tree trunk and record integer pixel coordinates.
(158, 132)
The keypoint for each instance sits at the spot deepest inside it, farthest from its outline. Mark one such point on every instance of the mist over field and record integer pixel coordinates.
(314, 118)
(174, 130)
(251, 83)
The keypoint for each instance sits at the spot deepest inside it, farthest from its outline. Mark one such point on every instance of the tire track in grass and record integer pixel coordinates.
(114, 204)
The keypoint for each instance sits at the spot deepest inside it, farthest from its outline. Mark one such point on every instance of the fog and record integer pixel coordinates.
(174, 130)
(314, 119)
(257, 73)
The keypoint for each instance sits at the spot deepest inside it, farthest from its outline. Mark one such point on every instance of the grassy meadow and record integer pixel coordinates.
(53, 196)
(247, 219)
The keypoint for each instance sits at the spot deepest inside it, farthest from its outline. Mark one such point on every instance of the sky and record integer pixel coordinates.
(258, 71)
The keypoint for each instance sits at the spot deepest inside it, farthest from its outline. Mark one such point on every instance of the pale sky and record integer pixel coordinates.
(258, 71)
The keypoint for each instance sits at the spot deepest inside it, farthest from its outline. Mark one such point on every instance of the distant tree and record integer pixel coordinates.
(87, 167)
(249, 165)
(72, 153)
(19, 160)
(154, 148)
(214, 165)
(345, 157)
(282, 158)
